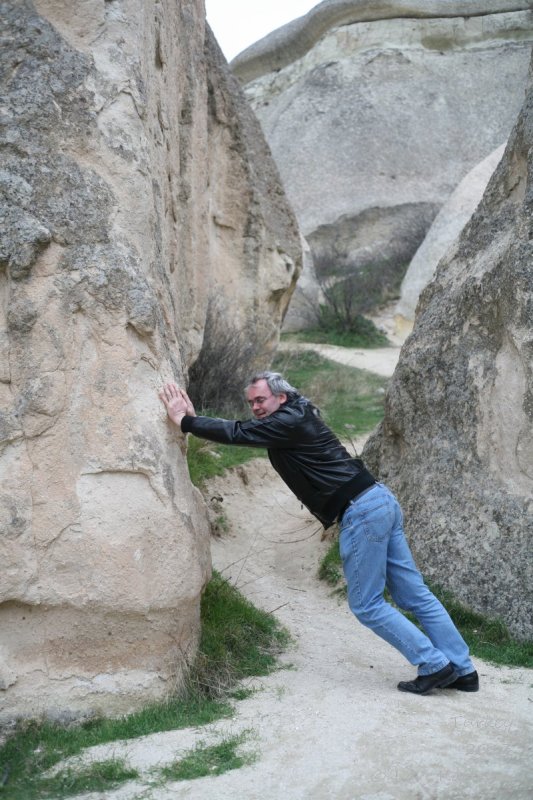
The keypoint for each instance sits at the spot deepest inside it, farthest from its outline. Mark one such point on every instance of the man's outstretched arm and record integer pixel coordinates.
(268, 432)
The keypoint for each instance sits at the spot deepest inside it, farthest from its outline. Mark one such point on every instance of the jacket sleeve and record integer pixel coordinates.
(275, 431)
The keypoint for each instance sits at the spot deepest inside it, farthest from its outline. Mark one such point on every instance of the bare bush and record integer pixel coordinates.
(375, 282)
(343, 308)
(226, 361)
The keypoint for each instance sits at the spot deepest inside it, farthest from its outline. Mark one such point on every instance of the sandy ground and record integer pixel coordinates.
(332, 724)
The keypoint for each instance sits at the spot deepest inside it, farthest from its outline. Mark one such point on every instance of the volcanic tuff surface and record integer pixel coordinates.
(135, 187)
(376, 110)
(444, 230)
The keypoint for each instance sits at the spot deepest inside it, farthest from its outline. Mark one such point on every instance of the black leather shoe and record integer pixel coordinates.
(466, 683)
(425, 683)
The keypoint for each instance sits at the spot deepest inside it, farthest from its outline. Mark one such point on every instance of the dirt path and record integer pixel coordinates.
(381, 360)
(333, 726)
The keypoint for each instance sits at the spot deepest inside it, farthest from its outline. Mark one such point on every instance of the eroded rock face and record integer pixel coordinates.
(456, 442)
(376, 110)
(133, 186)
(445, 229)
(302, 312)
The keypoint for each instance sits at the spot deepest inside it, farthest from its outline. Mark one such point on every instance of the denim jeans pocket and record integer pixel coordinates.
(377, 520)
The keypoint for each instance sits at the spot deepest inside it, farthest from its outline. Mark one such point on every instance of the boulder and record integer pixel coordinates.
(135, 185)
(456, 442)
(446, 227)
(375, 111)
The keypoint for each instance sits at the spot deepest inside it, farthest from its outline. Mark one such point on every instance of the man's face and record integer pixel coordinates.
(262, 401)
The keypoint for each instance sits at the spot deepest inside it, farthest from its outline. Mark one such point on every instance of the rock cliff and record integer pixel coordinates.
(456, 442)
(376, 110)
(135, 187)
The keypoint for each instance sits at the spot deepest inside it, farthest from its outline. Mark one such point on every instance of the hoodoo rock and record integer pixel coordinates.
(135, 186)
(375, 111)
(445, 229)
(456, 442)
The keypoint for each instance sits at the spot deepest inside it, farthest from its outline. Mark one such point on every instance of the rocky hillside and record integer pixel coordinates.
(136, 189)
(376, 110)
(456, 442)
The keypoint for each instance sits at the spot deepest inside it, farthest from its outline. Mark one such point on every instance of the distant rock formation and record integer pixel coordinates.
(445, 229)
(302, 312)
(135, 186)
(376, 110)
(456, 442)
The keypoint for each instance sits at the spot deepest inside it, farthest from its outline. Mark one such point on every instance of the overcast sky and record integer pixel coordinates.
(239, 23)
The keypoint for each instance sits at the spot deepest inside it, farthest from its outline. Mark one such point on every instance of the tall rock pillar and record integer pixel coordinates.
(106, 268)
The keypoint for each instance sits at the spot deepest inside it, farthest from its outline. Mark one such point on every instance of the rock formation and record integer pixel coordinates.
(375, 110)
(456, 442)
(302, 311)
(445, 229)
(135, 186)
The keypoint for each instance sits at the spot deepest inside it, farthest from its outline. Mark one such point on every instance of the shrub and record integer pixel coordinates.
(227, 359)
(343, 308)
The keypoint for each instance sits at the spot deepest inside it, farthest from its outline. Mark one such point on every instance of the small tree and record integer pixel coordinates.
(343, 307)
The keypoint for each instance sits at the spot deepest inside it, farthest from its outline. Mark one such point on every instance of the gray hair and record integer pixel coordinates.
(276, 383)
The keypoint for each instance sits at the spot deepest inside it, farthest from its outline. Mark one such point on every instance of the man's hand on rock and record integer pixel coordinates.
(189, 408)
(177, 402)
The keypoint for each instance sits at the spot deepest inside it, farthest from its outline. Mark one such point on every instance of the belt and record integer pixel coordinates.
(345, 507)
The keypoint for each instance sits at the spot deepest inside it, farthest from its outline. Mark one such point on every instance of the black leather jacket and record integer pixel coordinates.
(302, 449)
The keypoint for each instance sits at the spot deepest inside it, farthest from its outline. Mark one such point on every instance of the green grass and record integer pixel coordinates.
(37, 746)
(351, 400)
(369, 338)
(207, 460)
(97, 777)
(330, 568)
(487, 638)
(208, 760)
(237, 641)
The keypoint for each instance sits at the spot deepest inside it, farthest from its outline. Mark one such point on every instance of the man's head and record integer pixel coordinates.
(266, 392)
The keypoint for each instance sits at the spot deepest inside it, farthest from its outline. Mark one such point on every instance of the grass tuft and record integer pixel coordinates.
(238, 640)
(97, 777)
(36, 746)
(209, 760)
(207, 460)
(330, 568)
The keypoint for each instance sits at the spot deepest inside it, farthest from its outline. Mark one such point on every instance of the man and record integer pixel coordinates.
(338, 488)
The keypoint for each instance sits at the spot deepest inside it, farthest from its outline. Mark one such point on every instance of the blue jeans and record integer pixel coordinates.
(375, 554)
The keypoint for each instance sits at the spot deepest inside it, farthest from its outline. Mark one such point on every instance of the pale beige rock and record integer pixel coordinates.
(292, 41)
(135, 185)
(375, 111)
(445, 228)
(302, 312)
